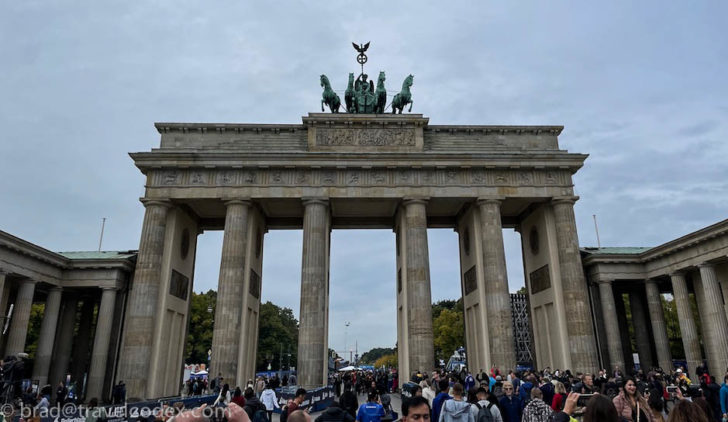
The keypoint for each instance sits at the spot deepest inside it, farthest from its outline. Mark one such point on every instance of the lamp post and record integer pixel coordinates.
(346, 329)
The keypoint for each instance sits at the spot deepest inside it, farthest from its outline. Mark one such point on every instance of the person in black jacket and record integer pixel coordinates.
(335, 413)
(348, 401)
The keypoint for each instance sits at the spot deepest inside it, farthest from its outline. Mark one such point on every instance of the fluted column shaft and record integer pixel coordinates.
(419, 295)
(312, 347)
(497, 296)
(20, 318)
(47, 337)
(64, 342)
(716, 329)
(82, 341)
(641, 331)
(99, 354)
(611, 324)
(688, 330)
(136, 351)
(228, 309)
(659, 328)
(579, 327)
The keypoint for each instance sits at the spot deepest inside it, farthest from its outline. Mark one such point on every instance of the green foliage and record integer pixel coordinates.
(453, 305)
(389, 360)
(373, 355)
(522, 291)
(199, 335)
(449, 332)
(672, 324)
(277, 335)
(36, 319)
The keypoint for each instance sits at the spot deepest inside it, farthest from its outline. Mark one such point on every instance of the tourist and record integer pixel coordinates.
(510, 404)
(238, 397)
(557, 404)
(427, 391)
(372, 410)
(348, 400)
(536, 410)
(259, 386)
(631, 404)
(687, 411)
(456, 409)
(547, 388)
(415, 409)
(252, 403)
(299, 416)
(224, 397)
(334, 413)
(482, 402)
(657, 405)
(441, 397)
(269, 400)
(295, 403)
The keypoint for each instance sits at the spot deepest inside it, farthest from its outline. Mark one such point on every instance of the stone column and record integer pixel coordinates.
(82, 343)
(100, 351)
(229, 306)
(611, 324)
(312, 347)
(47, 336)
(64, 341)
(688, 330)
(20, 318)
(419, 297)
(4, 293)
(641, 331)
(716, 330)
(624, 333)
(136, 350)
(579, 327)
(497, 296)
(659, 328)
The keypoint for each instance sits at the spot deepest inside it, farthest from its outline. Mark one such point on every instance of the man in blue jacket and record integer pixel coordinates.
(372, 410)
(439, 399)
(510, 404)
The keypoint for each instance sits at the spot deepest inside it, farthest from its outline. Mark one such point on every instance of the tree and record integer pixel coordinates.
(277, 332)
(201, 320)
(522, 291)
(373, 355)
(449, 333)
(389, 360)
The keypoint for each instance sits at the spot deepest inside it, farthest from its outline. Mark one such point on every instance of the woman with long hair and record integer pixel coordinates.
(224, 397)
(600, 409)
(557, 404)
(687, 411)
(631, 405)
(657, 405)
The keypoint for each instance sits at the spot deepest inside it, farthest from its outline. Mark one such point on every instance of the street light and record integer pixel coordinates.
(346, 329)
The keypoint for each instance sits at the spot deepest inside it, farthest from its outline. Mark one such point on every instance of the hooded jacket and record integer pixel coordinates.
(335, 414)
(456, 411)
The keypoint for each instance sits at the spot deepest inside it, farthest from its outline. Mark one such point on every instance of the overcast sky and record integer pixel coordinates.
(640, 86)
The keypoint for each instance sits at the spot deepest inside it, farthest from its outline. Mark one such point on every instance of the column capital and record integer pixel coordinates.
(651, 281)
(490, 200)
(114, 288)
(570, 199)
(415, 200)
(27, 281)
(608, 281)
(237, 201)
(159, 202)
(55, 289)
(706, 264)
(315, 200)
(3, 272)
(677, 273)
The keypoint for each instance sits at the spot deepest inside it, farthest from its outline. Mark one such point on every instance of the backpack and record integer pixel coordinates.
(284, 414)
(484, 414)
(260, 416)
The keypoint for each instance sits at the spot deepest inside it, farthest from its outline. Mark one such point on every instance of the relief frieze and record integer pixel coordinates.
(261, 177)
(365, 137)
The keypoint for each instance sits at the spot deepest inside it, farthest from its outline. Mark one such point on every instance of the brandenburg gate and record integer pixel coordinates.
(343, 171)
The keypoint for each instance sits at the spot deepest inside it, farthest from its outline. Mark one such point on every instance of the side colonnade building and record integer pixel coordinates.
(693, 269)
(84, 296)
